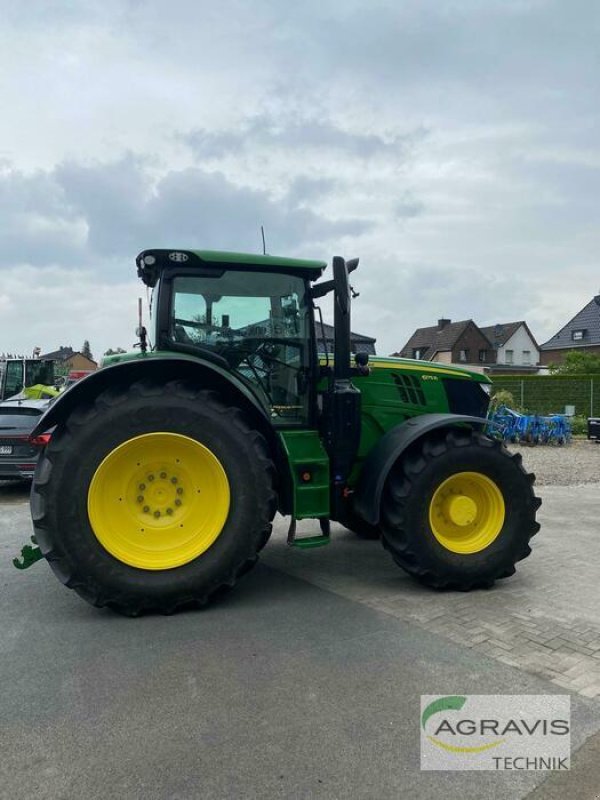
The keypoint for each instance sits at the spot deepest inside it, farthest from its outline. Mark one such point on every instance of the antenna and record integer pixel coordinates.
(262, 232)
(140, 331)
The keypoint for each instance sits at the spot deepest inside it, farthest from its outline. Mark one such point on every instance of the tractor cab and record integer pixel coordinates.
(250, 315)
(19, 374)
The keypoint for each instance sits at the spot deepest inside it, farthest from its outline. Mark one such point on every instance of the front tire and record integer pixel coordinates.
(458, 511)
(153, 498)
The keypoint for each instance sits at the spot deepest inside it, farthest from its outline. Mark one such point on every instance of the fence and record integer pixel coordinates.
(547, 394)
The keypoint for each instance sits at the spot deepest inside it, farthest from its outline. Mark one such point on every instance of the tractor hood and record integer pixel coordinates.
(427, 367)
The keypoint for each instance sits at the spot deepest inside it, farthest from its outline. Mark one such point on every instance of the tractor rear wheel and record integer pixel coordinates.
(153, 498)
(459, 510)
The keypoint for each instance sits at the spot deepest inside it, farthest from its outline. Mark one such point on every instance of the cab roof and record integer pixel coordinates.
(151, 263)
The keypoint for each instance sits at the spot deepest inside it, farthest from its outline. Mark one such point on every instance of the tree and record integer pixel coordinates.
(111, 352)
(578, 362)
(86, 350)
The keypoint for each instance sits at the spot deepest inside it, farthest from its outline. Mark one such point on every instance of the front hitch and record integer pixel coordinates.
(29, 555)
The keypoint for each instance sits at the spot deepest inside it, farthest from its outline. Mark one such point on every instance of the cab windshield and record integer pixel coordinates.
(258, 323)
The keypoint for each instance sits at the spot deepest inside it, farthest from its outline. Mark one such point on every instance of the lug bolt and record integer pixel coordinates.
(146, 509)
(173, 480)
(163, 475)
(150, 477)
(169, 511)
(157, 514)
(141, 487)
(177, 502)
(179, 490)
(140, 498)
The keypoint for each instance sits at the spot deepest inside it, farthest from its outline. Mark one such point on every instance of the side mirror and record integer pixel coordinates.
(342, 286)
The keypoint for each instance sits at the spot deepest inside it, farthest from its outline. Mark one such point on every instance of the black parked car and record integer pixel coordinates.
(17, 454)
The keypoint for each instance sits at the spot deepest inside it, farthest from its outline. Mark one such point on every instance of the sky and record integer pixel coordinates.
(452, 145)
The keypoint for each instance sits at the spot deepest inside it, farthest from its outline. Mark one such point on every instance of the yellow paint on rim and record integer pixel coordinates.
(467, 512)
(158, 501)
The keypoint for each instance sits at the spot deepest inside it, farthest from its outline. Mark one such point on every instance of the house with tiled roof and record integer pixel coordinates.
(359, 343)
(515, 346)
(451, 343)
(582, 332)
(68, 359)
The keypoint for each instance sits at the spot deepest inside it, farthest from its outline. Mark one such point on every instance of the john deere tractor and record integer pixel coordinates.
(165, 468)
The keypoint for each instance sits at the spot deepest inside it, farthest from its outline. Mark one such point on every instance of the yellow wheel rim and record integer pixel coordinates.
(467, 512)
(158, 501)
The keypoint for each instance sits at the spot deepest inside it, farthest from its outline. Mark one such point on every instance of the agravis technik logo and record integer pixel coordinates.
(495, 732)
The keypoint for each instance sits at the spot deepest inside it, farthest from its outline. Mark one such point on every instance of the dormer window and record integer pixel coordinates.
(577, 336)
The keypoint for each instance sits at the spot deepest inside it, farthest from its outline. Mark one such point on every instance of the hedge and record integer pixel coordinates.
(546, 394)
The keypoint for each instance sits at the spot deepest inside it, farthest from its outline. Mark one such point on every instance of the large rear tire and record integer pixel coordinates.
(458, 511)
(153, 498)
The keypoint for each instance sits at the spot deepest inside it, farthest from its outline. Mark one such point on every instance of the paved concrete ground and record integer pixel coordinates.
(545, 619)
(285, 688)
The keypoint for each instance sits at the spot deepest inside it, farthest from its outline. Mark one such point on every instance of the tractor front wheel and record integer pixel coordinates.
(153, 497)
(458, 511)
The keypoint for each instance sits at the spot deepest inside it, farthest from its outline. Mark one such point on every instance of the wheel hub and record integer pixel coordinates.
(159, 500)
(466, 512)
(161, 495)
(461, 509)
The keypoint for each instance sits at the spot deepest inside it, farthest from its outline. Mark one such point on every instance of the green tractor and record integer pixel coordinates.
(165, 469)
(31, 378)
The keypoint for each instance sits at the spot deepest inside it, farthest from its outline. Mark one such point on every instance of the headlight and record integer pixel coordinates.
(487, 388)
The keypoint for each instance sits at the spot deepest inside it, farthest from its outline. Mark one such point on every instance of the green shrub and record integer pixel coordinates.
(579, 425)
(502, 397)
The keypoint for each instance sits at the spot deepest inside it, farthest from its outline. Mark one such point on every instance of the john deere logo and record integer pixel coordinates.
(497, 732)
(441, 712)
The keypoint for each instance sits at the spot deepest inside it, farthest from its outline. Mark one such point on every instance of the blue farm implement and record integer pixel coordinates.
(512, 426)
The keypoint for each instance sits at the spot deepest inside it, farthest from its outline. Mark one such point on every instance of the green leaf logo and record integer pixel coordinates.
(451, 703)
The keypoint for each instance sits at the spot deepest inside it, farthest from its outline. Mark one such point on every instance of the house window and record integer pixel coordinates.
(463, 355)
(509, 356)
(418, 353)
(526, 356)
(577, 336)
(483, 355)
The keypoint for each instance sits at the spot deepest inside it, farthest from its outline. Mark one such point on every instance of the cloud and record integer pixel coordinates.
(298, 135)
(452, 145)
(78, 214)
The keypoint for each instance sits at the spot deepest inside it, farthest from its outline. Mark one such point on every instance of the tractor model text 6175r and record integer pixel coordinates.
(165, 469)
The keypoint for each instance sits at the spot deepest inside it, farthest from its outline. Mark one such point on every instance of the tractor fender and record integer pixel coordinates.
(393, 443)
(163, 368)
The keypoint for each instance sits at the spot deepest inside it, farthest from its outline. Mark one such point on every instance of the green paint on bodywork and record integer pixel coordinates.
(40, 392)
(306, 542)
(137, 355)
(253, 259)
(397, 389)
(306, 453)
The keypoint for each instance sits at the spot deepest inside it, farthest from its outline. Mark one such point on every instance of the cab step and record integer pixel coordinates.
(309, 541)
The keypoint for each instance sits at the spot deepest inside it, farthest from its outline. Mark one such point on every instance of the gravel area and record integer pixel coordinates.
(574, 464)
